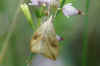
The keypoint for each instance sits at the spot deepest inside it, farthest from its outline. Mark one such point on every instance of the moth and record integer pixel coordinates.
(44, 40)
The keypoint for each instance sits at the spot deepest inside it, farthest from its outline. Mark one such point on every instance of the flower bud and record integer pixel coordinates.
(69, 10)
(44, 2)
(50, 2)
(59, 38)
(34, 2)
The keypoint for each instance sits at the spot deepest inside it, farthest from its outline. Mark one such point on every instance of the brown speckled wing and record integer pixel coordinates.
(44, 40)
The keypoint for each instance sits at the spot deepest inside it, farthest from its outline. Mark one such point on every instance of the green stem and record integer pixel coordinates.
(85, 37)
(25, 9)
(62, 3)
(4, 49)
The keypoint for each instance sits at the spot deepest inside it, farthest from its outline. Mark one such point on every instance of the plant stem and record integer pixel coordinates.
(25, 9)
(11, 29)
(29, 60)
(85, 37)
(62, 3)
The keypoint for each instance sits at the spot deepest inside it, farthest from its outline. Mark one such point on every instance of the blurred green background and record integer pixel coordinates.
(15, 35)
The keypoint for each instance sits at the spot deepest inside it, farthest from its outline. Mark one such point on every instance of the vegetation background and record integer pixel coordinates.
(81, 35)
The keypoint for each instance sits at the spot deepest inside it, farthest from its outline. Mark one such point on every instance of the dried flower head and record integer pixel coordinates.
(44, 40)
(69, 10)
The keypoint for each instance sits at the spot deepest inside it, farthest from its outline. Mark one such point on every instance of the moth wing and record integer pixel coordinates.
(45, 43)
(51, 48)
(51, 43)
(36, 43)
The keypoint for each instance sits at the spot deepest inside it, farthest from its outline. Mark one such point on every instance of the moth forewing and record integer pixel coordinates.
(35, 43)
(52, 47)
(44, 40)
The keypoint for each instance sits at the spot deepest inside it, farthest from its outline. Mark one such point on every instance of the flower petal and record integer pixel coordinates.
(69, 10)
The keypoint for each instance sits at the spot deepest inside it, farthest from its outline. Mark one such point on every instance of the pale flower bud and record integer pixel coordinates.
(69, 10)
(44, 2)
(59, 38)
(34, 3)
(50, 2)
